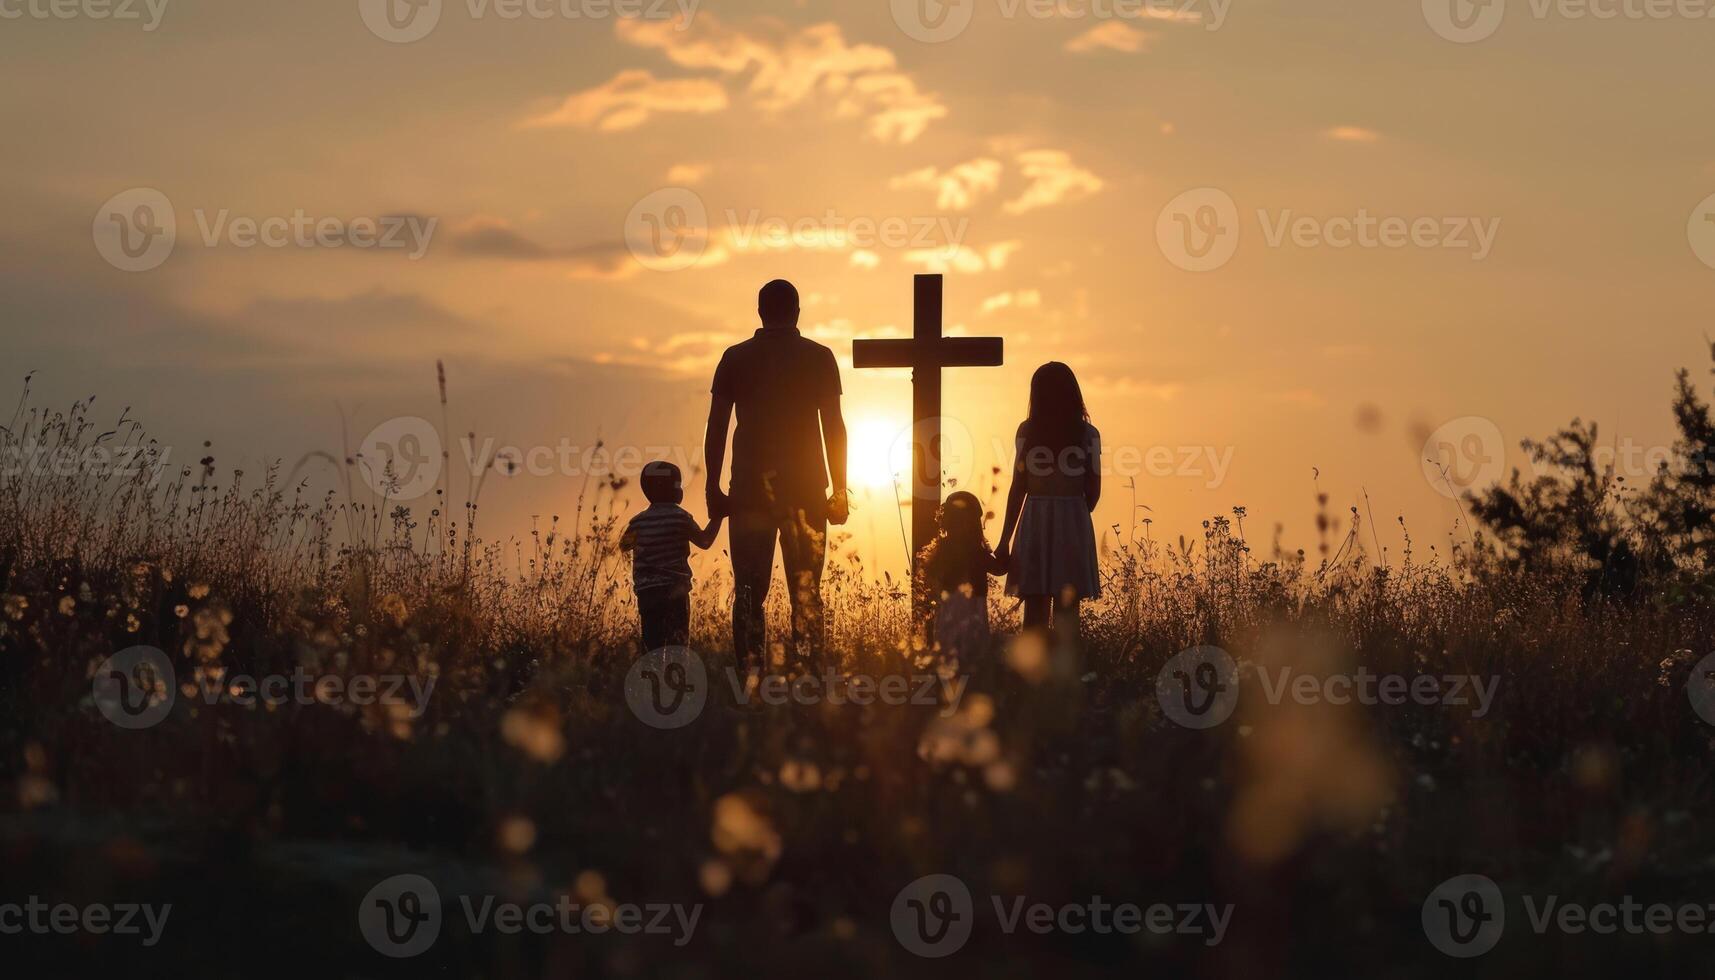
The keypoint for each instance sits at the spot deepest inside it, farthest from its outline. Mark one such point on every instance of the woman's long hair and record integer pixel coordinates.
(1057, 412)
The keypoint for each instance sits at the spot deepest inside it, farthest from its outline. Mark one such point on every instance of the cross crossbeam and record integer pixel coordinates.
(926, 353)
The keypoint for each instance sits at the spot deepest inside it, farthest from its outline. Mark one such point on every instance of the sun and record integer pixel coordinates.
(877, 454)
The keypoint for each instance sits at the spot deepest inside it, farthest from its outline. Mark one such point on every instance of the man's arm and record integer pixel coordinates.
(834, 443)
(714, 452)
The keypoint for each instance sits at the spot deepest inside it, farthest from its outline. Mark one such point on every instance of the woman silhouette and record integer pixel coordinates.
(1056, 482)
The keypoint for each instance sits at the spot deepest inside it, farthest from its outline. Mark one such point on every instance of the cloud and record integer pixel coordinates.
(788, 68)
(687, 174)
(956, 188)
(1054, 179)
(492, 238)
(1164, 391)
(1352, 134)
(963, 258)
(863, 258)
(1024, 299)
(1110, 35)
(629, 99)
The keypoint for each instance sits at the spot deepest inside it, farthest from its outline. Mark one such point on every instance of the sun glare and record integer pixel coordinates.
(877, 453)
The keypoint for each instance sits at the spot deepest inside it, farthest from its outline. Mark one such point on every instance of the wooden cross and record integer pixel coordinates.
(926, 353)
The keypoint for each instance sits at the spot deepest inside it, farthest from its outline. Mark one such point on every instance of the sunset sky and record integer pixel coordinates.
(1034, 159)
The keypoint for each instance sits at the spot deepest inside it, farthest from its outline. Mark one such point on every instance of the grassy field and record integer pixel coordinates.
(1057, 774)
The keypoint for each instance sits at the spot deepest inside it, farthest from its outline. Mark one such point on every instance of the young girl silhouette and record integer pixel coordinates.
(1056, 482)
(954, 577)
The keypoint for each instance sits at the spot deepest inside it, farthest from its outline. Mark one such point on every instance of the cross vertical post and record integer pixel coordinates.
(925, 413)
(926, 353)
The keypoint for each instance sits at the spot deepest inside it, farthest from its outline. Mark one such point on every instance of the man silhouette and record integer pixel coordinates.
(789, 441)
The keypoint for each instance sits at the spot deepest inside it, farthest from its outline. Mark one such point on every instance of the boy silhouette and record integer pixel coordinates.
(790, 440)
(659, 539)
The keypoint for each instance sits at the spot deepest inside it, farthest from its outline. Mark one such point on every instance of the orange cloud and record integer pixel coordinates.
(1054, 179)
(793, 68)
(957, 187)
(687, 174)
(1109, 35)
(1352, 134)
(963, 258)
(629, 99)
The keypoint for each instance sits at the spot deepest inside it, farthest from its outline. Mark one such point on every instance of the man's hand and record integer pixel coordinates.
(720, 505)
(839, 508)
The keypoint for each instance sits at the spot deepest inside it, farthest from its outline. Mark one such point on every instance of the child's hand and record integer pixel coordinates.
(1001, 559)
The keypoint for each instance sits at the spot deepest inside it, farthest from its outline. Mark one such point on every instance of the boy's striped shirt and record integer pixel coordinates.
(661, 552)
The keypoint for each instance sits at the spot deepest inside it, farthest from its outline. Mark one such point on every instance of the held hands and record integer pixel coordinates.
(1002, 559)
(839, 508)
(720, 505)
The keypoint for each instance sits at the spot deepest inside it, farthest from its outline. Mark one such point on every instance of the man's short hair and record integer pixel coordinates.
(777, 301)
(662, 483)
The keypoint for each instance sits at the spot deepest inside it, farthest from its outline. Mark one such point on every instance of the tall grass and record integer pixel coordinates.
(1056, 775)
